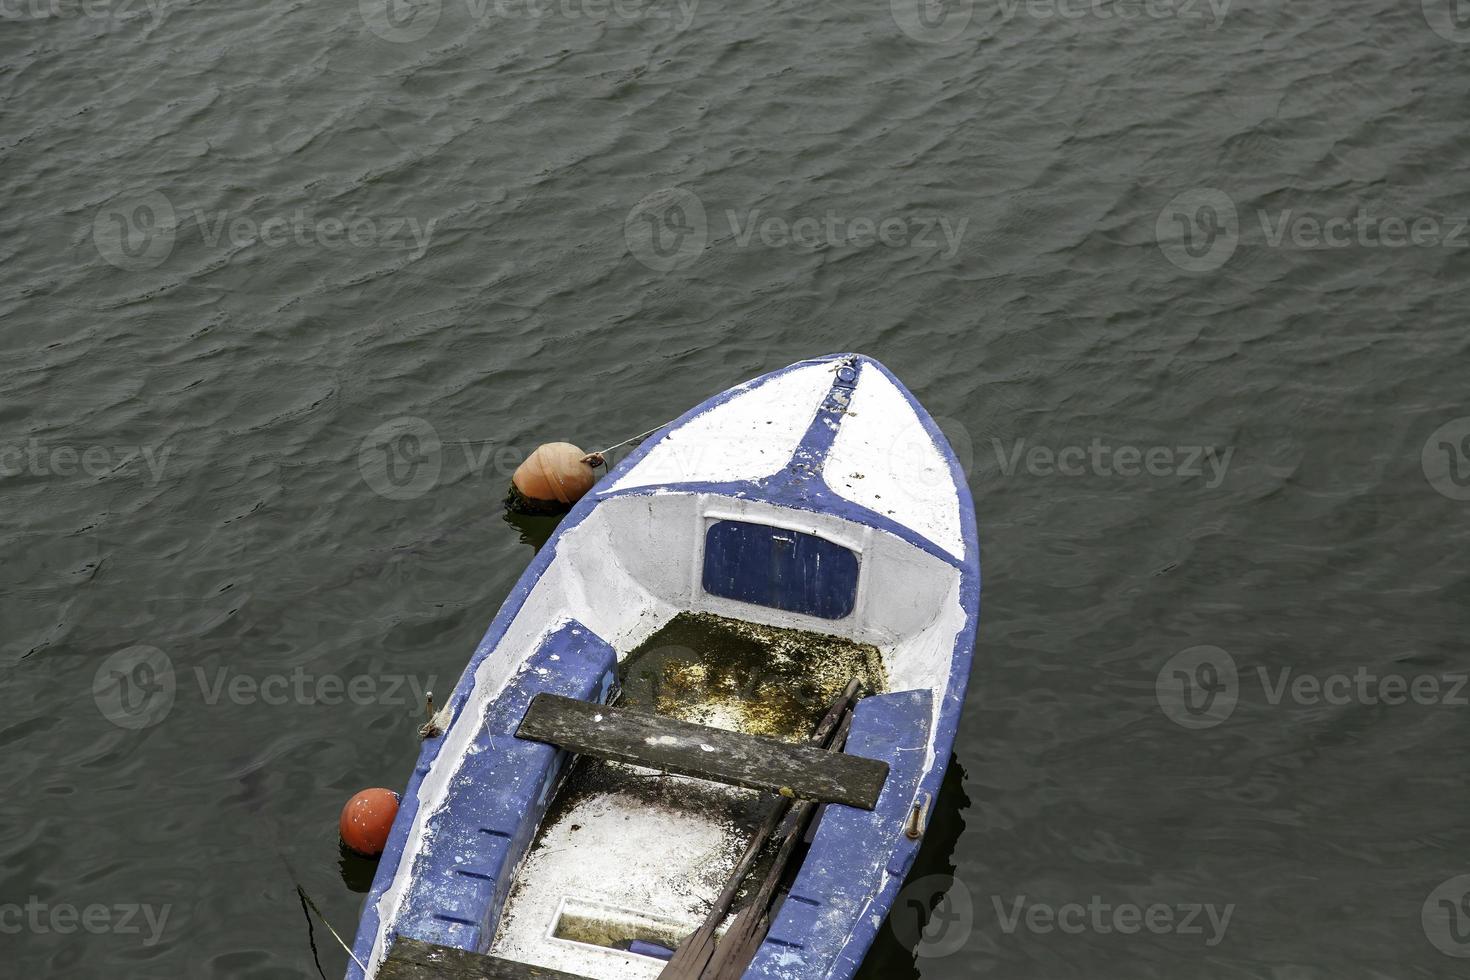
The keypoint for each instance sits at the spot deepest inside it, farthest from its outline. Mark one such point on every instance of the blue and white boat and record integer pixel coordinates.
(819, 498)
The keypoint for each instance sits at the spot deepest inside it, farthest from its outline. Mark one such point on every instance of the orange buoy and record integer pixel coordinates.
(551, 479)
(366, 820)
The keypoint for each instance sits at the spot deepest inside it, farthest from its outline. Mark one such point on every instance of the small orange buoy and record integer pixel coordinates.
(551, 479)
(366, 820)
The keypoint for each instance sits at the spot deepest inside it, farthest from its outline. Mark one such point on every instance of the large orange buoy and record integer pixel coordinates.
(551, 479)
(366, 820)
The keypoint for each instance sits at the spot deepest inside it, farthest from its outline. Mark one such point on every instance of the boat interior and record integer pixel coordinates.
(738, 614)
(628, 859)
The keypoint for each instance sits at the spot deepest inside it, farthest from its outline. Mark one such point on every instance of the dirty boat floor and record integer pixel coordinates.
(627, 853)
(414, 959)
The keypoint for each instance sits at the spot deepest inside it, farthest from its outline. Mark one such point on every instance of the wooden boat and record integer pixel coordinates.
(594, 786)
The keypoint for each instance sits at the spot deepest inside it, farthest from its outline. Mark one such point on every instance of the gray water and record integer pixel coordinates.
(1207, 259)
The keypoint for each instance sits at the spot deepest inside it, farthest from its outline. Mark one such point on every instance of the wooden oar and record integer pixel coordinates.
(693, 954)
(735, 951)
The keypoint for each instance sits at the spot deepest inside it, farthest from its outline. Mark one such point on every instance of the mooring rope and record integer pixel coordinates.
(311, 935)
(599, 454)
(306, 902)
(342, 942)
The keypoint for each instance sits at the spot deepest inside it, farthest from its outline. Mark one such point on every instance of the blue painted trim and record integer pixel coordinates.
(858, 942)
(799, 484)
(811, 453)
(499, 798)
(817, 498)
(853, 850)
(509, 793)
(779, 569)
(653, 950)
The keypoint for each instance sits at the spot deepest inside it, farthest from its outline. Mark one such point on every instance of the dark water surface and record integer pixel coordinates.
(251, 248)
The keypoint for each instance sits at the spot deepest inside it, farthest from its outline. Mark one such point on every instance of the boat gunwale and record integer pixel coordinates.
(371, 940)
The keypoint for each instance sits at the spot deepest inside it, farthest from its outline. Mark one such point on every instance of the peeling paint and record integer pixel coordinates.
(625, 563)
(624, 838)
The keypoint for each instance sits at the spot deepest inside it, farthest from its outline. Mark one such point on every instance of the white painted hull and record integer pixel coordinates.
(841, 465)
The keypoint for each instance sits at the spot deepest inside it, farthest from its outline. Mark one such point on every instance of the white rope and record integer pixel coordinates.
(307, 899)
(619, 445)
(597, 458)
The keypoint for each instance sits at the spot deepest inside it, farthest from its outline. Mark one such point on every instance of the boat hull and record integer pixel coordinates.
(744, 507)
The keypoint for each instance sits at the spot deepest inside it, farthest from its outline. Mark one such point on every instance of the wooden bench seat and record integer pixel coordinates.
(670, 745)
